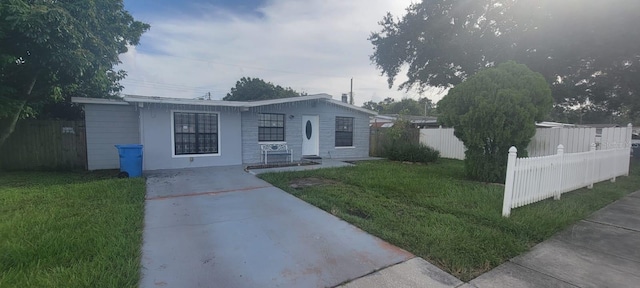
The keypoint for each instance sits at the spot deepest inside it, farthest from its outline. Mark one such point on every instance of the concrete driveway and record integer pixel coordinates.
(222, 227)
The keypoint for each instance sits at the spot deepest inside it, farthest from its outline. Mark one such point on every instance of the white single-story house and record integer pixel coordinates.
(180, 133)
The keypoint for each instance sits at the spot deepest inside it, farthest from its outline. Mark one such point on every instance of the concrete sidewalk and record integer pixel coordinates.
(600, 251)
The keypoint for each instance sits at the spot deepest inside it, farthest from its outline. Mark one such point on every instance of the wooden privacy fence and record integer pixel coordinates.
(50, 144)
(533, 179)
(544, 143)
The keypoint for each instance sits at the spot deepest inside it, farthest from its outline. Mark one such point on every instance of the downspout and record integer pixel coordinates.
(141, 131)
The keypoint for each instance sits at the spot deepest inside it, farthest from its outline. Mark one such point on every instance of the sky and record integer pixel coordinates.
(195, 47)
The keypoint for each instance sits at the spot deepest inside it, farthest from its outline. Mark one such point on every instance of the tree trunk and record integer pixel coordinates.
(8, 130)
(11, 126)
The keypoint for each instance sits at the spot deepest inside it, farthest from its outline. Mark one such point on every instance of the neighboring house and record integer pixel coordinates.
(549, 124)
(180, 133)
(386, 121)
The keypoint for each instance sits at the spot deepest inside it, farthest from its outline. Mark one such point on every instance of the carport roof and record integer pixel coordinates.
(240, 104)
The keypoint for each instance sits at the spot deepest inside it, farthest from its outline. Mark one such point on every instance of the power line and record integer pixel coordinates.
(174, 87)
(245, 66)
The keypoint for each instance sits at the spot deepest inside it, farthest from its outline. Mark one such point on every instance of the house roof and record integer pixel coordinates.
(549, 124)
(411, 118)
(246, 104)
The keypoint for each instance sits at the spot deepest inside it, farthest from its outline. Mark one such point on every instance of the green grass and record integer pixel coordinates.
(70, 229)
(435, 213)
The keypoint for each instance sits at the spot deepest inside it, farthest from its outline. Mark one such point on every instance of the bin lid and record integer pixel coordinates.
(128, 146)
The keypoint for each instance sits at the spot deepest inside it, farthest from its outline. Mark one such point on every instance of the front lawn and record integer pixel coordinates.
(435, 213)
(70, 229)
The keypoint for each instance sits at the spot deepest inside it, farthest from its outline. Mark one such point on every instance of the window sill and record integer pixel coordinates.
(272, 142)
(194, 155)
(346, 147)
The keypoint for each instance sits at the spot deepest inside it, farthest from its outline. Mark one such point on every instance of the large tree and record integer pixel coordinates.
(588, 50)
(253, 89)
(492, 111)
(52, 50)
(422, 107)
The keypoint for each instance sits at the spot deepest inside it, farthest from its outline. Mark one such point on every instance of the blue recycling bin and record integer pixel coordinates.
(130, 160)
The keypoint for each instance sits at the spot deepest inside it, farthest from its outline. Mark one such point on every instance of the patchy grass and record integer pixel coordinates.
(70, 229)
(435, 213)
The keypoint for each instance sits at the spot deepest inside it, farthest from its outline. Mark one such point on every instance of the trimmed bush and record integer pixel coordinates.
(493, 110)
(412, 152)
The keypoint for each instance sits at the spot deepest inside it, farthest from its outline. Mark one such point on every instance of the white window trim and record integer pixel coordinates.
(272, 142)
(173, 136)
(345, 147)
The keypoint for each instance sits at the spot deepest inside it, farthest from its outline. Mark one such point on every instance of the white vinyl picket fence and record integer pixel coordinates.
(544, 143)
(534, 179)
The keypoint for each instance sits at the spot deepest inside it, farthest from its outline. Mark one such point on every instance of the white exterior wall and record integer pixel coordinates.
(108, 125)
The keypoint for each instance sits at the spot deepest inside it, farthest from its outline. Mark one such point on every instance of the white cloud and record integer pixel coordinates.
(314, 46)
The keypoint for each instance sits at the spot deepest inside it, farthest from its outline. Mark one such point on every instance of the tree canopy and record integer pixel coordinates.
(492, 111)
(52, 50)
(588, 50)
(422, 107)
(253, 89)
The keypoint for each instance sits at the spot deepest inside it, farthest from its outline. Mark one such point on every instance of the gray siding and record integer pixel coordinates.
(157, 138)
(327, 113)
(108, 125)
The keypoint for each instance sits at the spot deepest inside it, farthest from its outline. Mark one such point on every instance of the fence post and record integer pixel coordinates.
(508, 185)
(440, 139)
(628, 144)
(592, 149)
(561, 153)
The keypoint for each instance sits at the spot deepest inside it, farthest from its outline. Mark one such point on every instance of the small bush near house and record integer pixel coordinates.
(402, 145)
(412, 152)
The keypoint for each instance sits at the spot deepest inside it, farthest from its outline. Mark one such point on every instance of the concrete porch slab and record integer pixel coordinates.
(180, 182)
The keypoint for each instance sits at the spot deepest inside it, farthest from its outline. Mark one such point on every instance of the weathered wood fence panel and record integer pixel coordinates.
(50, 144)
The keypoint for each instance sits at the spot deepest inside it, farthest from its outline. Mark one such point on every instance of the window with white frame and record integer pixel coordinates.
(344, 131)
(195, 133)
(270, 127)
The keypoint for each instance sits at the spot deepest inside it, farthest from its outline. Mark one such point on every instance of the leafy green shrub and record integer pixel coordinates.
(493, 110)
(402, 144)
(412, 152)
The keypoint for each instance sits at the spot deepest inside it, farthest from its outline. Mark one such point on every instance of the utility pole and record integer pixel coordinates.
(351, 93)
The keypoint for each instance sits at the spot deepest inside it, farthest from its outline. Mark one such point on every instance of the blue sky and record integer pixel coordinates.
(314, 46)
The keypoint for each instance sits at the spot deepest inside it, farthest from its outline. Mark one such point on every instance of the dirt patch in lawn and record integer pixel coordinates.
(301, 183)
(281, 164)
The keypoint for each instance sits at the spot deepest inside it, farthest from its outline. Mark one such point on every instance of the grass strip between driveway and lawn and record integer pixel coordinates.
(64, 229)
(435, 213)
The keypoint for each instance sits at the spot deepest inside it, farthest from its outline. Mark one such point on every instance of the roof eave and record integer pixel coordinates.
(87, 100)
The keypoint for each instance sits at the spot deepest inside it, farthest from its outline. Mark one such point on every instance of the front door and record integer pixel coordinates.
(310, 135)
